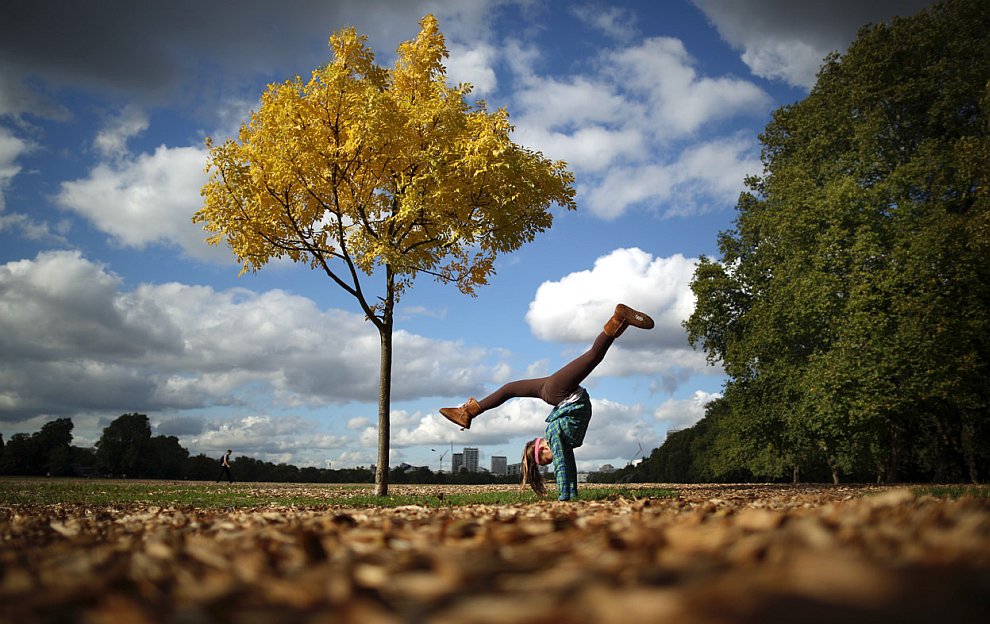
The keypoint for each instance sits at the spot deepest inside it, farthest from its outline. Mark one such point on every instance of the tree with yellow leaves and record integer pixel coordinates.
(377, 175)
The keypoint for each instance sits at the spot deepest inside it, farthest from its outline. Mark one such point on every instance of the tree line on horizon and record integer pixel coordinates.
(126, 449)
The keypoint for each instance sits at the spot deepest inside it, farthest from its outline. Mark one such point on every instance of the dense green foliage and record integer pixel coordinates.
(849, 307)
(45, 452)
(127, 448)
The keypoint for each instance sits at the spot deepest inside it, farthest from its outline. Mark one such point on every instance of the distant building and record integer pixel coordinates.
(470, 459)
(499, 465)
(457, 462)
(515, 470)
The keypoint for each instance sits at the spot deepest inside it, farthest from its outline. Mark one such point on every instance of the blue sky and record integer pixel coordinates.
(111, 303)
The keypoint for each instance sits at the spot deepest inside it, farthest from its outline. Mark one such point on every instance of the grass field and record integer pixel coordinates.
(207, 495)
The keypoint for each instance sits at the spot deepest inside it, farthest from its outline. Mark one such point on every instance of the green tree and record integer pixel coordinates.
(21, 456)
(849, 305)
(44, 452)
(388, 173)
(125, 445)
(166, 458)
(84, 462)
(202, 468)
(54, 446)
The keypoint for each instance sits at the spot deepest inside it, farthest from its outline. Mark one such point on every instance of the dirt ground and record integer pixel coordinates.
(712, 554)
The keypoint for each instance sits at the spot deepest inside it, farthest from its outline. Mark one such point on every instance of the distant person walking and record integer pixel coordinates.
(225, 467)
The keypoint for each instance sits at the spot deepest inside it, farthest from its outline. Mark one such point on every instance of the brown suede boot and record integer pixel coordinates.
(625, 316)
(615, 326)
(462, 415)
(634, 317)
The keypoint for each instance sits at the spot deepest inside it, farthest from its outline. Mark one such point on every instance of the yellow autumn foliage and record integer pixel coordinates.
(362, 167)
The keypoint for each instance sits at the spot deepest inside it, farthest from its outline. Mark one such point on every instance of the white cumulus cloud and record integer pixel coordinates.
(642, 127)
(111, 141)
(616, 22)
(11, 148)
(474, 65)
(787, 40)
(74, 340)
(683, 413)
(147, 200)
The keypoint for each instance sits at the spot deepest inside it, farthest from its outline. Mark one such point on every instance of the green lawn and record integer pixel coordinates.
(100, 492)
(953, 491)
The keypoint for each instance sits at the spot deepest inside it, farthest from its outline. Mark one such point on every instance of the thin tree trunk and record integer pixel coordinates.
(385, 386)
(969, 452)
(892, 474)
(833, 465)
(384, 407)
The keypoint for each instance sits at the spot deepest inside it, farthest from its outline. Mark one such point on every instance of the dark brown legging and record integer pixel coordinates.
(556, 387)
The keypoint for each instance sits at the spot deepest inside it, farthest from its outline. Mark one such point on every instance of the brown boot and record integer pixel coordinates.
(462, 415)
(634, 317)
(615, 326)
(625, 316)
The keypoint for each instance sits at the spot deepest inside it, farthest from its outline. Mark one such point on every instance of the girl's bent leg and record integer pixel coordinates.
(463, 415)
(524, 388)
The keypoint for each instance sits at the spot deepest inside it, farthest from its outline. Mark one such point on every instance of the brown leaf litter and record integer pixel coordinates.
(713, 554)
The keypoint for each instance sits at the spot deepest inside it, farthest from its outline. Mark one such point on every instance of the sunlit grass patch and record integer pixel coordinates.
(513, 496)
(103, 492)
(954, 491)
(169, 493)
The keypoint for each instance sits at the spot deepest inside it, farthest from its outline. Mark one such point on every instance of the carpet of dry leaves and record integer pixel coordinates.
(712, 554)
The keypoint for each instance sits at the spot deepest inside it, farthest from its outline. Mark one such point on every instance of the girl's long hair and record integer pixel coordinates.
(531, 474)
